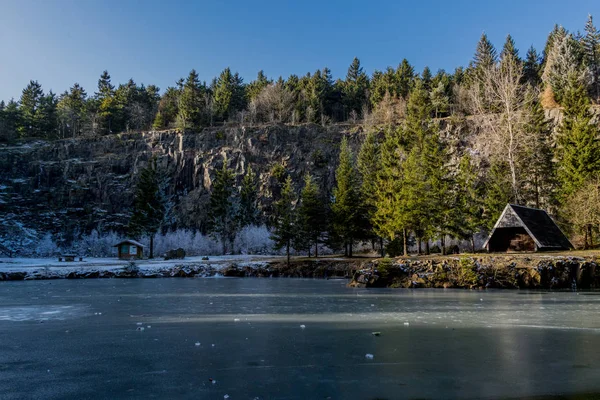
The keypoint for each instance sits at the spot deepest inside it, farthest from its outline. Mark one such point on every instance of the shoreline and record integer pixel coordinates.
(533, 271)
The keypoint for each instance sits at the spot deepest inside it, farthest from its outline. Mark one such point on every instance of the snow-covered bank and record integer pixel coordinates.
(46, 268)
(231, 266)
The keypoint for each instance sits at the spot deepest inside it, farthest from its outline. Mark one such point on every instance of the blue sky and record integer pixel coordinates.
(59, 42)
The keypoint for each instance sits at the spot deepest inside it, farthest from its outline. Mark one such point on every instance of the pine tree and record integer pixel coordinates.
(368, 164)
(346, 207)
(224, 208)
(509, 49)
(355, 88)
(148, 209)
(469, 204)
(485, 53)
(426, 78)
(591, 54)
(191, 104)
(30, 102)
(228, 95)
(532, 68)
(312, 215)
(537, 162)
(11, 121)
(561, 64)
(46, 116)
(108, 105)
(405, 76)
(72, 111)
(578, 151)
(248, 214)
(390, 217)
(256, 86)
(498, 193)
(284, 215)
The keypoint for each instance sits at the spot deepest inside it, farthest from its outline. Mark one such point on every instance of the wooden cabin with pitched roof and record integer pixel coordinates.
(525, 229)
(130, 249)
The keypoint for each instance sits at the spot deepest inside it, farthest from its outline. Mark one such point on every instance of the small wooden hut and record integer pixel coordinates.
(130, 249)
(522, 229)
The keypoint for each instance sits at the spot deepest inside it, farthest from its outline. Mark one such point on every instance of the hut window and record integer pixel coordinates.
(132, 250)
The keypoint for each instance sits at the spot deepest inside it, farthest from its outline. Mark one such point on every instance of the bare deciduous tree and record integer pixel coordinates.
(499, 99)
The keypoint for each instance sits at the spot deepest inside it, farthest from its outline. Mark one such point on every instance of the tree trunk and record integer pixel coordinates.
(443, 242)
(419, 246)
(473, 243)
(585, 238)
(381, 248)
(287, 251)
(427, 251)
(405, 244)
(316, 249)
(345, 249)
(350, 248)
(590, 236)
(151, 246)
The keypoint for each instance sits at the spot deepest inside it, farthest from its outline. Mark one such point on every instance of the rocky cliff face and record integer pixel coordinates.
(85, 183)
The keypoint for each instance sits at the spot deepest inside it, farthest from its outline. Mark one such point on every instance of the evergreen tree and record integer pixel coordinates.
(440, 101)
(538, 165)
(29, 104)
(591, 54)
(405, 76)
(346, 205)
(390, 217)
(355, 88)
(426, 77)
(224, 208)
(191, 104)
(167, 109)
(469, 204)
(498, 192)
(485, 53)
(284, 216)
(578, 151)
(72, 111)
(532, 68)
(256, 86)
(148, 209)
(368, 167)
(509, 49)
(108, 105)
(228, 95)
(312, 215)
(248, 199)
(11, 121)
(46, 116)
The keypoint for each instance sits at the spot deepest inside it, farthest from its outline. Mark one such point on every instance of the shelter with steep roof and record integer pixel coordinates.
(523, 229)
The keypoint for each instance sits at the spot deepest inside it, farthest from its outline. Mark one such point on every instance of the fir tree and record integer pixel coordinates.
(426, 78)
(390, 217)
(46, 116)
(469, 204)
(355, 88)
(405, 76)
(248, 214)
(312, 215)
(591, 54)
(532, 68)
(108, 105)
(498, 192)
(284, 219)
(485, 53)
(509, 49)
(11, 121)
(538, 165)
(368, 167)
(191, 104)
(346, 207)
(148, 209)
(256, 86)
(30, 102)
(223, 210)
(228, 95)
(578, 151)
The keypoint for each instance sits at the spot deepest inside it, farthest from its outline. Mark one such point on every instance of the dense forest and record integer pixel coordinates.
(405, 184)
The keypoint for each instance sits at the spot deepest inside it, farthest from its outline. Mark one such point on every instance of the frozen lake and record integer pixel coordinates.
(66, 339)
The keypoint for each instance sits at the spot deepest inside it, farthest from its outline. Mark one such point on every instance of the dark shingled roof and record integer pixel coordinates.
(540, 227)
(129, 241)
(543, 229)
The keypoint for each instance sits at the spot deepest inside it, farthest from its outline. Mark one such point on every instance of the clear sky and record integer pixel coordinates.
(60, 42)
